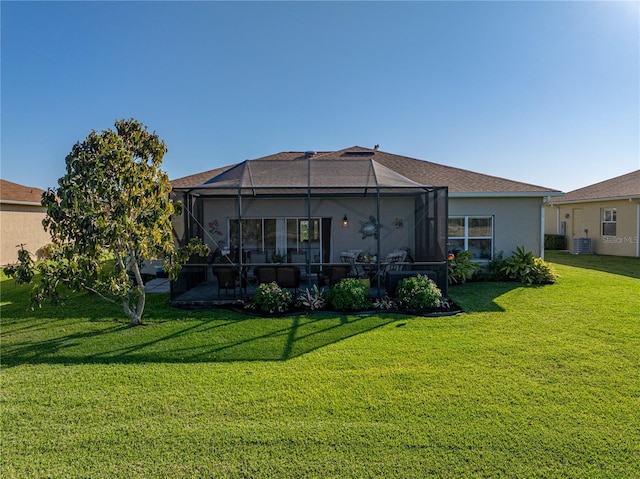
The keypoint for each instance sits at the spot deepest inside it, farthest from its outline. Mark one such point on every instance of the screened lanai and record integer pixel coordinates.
(309, 216)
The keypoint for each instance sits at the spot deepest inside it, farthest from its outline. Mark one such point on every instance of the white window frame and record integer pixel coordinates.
(612, 214)
(466, 236)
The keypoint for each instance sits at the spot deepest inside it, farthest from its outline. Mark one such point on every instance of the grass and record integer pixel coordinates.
(530, 382)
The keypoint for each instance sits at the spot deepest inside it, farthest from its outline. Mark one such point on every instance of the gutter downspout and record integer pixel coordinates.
(544, 203)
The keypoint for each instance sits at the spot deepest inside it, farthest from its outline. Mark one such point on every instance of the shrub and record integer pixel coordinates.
(312, 299)
(349, 294)
(495, 268)
(555, 242)
(271, 298)
(526, 268)
(418, 293)
(461, 268)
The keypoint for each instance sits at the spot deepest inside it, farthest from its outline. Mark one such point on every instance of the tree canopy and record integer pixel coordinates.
(112, 207)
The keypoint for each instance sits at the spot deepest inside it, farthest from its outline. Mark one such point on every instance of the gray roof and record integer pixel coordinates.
(620, 187)
(337, 167)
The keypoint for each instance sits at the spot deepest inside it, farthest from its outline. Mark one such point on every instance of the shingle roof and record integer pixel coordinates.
(459, 181)
(624, 186)
(10, 191)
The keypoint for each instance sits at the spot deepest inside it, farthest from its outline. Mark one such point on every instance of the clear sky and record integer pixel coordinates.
(542, 92)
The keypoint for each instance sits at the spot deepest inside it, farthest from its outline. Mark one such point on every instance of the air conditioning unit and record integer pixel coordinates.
(581, 246)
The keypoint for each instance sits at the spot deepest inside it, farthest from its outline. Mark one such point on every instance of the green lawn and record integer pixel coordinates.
(530, 382)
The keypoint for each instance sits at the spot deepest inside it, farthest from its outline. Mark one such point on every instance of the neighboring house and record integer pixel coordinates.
(21, 216)
(483, 213)
(602, 218)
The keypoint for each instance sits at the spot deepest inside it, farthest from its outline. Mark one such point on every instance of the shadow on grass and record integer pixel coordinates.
(190, 341)
(479, 297)
(622, 265)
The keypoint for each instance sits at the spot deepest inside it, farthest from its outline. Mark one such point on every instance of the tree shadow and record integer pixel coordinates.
(194, 341)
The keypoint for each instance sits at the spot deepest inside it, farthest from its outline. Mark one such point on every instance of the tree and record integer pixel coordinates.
(113, 203)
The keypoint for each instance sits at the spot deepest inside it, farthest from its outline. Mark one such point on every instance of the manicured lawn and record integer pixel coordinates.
(530, 382)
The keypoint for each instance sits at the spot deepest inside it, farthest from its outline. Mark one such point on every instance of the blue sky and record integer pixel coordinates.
(542, 92)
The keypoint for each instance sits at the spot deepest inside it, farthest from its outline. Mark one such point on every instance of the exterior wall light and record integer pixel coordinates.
(345, 221)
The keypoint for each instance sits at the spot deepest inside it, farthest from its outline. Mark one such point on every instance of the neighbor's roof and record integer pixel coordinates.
(620, 187)
(460, 182)
(14, 193)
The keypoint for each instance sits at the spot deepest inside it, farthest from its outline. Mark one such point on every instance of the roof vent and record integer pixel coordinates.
(309, 153)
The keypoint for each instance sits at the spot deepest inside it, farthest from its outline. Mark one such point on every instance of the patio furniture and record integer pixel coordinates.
(351, 257)
(284, 276)
(228, 279)
(300, 259)
(333, 274)
(393, 262)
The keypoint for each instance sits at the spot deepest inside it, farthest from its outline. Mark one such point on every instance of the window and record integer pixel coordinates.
(279, 236)
(473, 233)
(608, 222)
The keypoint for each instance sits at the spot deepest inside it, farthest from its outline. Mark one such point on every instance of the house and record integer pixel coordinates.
(323, 204)
(21, 216)
(602, 218)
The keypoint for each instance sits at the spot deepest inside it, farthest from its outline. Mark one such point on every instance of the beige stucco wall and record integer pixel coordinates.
(588, 215)
(357, 210)
(517, 221)
(21, 224)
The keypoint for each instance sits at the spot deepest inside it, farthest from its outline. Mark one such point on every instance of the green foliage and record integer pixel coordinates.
(385, 303)
(271, 298)
(312, 299)
(23, 270)
(278, 257)
(461, 268)
(555, 242)
(418, 293)
(113, 201)
(554, 395)
(349, 294)
(523, 266)
(495, 268)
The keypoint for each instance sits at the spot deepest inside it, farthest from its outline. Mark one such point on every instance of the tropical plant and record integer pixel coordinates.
(523, 266)
(312, 299)
(495, 268)
(418, 293)
(385, 303)
(271, 298)
(349, 294)
(278, 257)
(461, 268)
(112, 202)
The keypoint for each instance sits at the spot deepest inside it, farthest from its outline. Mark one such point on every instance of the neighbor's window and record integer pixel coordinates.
(608, 222)
(473, 233)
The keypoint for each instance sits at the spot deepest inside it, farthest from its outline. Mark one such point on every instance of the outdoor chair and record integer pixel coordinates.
(265, 274)
(228, 279)
(333, 274)
(350, 257)
(393, 262)
(288, 277)
(300, 259)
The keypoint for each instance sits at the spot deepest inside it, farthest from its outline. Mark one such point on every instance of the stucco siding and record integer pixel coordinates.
(21, 224)
(393, 211)
(581, 216)
(516, 221)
